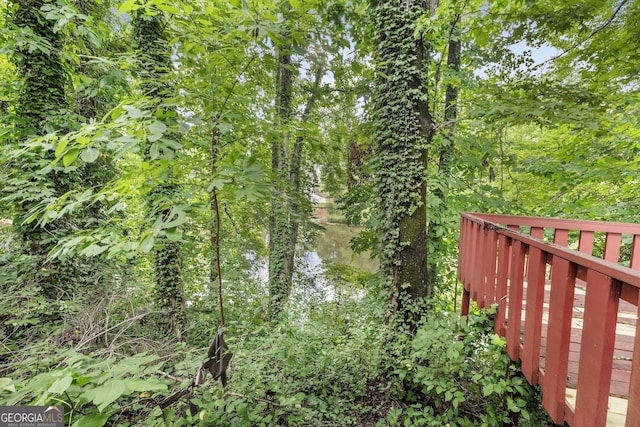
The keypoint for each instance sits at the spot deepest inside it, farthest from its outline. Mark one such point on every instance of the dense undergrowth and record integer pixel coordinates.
(340, 362)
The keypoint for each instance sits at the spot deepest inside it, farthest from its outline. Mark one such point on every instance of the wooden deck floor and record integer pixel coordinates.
(625, 335)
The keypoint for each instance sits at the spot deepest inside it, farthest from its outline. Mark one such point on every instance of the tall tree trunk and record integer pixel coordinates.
(150, 38)
(403, 129)
(286, 165)
(41, 103)
(295, 176)
(279, 222)
(445, 160)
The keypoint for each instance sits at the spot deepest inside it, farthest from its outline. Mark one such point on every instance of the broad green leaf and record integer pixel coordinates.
(7, 384)
(177, 216)
(157, 127)
(108, 393)
(126, 6)
(93, 250)
(154, 151)
(218, 183)
(153, 137)
(138, 384)
(147, 243)
(70, 157)
(173, 234)
(168, 8)
(90, 155)
(60, 148)
(134, 112)
(61, 384)
(225, 128)
(92, 420)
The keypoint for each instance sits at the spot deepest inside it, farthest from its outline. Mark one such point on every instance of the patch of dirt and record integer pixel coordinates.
(375, 405)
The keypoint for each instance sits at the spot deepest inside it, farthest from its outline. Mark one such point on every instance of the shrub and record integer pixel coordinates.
(458, 374)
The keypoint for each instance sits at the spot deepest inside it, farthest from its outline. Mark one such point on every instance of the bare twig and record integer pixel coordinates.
(87, 339)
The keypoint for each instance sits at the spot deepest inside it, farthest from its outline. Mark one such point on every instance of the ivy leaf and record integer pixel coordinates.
(70, 157)
(108, 393)
(90, 155)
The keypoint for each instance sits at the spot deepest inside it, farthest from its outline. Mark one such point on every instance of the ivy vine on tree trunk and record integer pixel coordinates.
(403, 127)
(41, 107)
(149, 35)
(279, 227)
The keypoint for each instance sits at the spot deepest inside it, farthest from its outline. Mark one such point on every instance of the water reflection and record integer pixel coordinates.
(331, 246)
(334, 244)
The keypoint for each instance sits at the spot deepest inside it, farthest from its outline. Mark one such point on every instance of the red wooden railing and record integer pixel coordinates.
(500, 264)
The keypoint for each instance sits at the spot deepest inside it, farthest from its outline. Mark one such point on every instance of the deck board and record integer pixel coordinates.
(622, 359)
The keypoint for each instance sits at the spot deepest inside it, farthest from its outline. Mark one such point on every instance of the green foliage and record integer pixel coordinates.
(93, 390)
(459, 374)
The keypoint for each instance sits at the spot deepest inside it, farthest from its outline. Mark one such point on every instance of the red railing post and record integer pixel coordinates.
(563, 277)
(504, 244)
(596, 349)
(475, 262)
(492, 252)
(484, 268)
(633, 404)
(536, 269)
(561, 237)
(461, 250)
(585, 245)
(612, 247)
(463, 265)
(514, 314)
(635, 253)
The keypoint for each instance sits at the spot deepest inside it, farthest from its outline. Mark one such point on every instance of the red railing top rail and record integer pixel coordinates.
(559, 223)
(608, 268)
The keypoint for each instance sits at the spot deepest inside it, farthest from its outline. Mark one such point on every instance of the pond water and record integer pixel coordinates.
(331, 245)
(334, 244)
